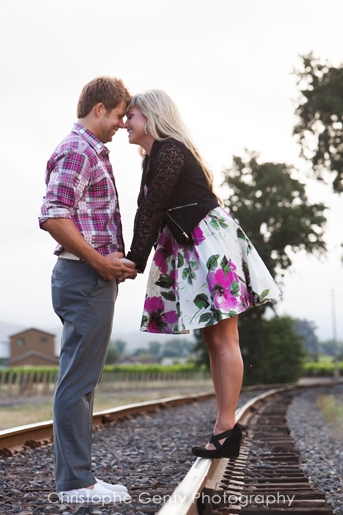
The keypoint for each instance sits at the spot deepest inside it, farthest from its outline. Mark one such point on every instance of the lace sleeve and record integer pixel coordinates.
(167, 166)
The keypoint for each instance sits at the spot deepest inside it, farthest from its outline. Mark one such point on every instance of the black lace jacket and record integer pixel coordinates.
(177, 195)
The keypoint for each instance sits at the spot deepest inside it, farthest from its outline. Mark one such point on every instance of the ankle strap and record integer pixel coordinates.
(215, 438)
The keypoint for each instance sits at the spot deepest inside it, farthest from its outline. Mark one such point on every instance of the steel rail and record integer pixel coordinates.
(18, 438)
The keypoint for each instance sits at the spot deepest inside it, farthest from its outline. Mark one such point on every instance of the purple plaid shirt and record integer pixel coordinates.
(80, 186)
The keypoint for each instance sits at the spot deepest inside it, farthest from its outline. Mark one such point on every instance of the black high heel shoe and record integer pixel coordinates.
(228, 449)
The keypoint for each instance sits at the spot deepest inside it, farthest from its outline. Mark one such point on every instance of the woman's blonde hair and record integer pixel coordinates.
(165, 121)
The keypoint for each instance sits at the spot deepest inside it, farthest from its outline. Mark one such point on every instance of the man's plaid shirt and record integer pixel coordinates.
(80, 186)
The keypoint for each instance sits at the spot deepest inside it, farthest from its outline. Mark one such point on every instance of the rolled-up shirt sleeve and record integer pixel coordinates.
(66, 180)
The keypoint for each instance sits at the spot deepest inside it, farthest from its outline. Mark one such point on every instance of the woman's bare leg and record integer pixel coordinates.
(222, 342)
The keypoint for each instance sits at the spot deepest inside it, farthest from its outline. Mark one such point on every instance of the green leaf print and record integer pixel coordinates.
(217, 314)
(164, 281)
(234, 288)
(264, 295)
(191, 276)
(185, 273)
(178, 309)
(212, 262)
(181, 261)
(144, 319)
(222, 223)
(225, 265)
(241, 234)
(214, 223)
(201, 301)
(192, 264)
(168, 295)
(207, 317)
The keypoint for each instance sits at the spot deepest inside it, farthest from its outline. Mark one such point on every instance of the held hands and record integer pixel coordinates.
(114, 265)
(131, 266)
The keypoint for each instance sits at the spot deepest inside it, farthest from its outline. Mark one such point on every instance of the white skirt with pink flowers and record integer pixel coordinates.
(195, 286)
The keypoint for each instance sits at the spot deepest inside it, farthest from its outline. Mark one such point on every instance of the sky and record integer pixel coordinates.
(229, 67)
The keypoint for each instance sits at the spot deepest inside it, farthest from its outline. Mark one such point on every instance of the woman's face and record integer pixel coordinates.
(135, 123)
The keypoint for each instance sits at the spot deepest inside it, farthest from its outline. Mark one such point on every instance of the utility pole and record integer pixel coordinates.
(335, 343)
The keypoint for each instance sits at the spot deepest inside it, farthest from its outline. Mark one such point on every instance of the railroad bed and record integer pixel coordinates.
(151, 455)
(266, 477)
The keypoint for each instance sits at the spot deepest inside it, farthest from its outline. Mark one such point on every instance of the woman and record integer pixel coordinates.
(205, 271)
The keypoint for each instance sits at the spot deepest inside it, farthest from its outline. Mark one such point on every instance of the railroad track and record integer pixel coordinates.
(265, 478)
(267, 468)
(17, 439)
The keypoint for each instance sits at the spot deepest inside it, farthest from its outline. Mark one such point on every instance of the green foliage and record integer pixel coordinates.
(328, 348)
(119, 346)
(272, 351)
(200, 349)
(134, 372)
(273, 210)
(306, 330)
(160, 369)
(320, 113)
(283, 352)
(321, 369)
(154, 348)
(177, 348)
(112, 356)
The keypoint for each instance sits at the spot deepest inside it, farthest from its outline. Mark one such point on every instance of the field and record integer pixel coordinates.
(20, 410)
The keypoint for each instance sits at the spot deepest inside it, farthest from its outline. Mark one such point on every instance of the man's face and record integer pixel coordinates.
(110, 122)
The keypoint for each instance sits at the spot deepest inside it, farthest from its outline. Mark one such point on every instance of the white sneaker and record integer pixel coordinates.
(114, 488)
(97, 495)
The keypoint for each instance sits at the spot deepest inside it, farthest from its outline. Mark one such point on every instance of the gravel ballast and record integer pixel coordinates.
(320, 446)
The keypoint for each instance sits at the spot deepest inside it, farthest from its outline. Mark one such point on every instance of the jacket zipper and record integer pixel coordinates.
(180, 207)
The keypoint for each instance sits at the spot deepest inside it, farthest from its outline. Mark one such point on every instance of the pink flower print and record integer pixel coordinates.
(163, 251)
(158, 319)
(224, 288)
(197, 236)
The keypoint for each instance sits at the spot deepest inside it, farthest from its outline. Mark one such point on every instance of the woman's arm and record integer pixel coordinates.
(167, 166)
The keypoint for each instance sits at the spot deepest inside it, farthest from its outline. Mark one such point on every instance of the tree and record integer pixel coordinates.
(282, 351)
(177, 348)
(273, 209)
(155, 348)
(112, 356)
(119, 346)
(307, 330)
(320, 113)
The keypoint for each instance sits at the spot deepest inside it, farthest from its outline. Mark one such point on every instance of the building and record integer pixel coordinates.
(32, 347)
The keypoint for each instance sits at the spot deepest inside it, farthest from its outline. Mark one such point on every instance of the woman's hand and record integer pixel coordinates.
(128, 275)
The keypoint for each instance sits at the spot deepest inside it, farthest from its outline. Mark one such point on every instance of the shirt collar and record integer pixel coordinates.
(90, 138)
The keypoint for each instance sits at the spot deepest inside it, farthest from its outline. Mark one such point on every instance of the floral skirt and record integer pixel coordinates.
(195, 286)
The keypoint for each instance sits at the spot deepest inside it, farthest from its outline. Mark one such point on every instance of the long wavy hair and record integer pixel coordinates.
(165, 121)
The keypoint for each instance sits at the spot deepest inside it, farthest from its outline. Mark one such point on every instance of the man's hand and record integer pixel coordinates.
(125, 275)
(113, 266)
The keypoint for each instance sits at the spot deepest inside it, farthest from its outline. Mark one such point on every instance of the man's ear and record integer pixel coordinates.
(98, 109)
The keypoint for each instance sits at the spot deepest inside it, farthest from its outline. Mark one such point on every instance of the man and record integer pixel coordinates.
(81, 212)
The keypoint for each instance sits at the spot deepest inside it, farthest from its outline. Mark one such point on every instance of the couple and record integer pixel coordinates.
(204, 271)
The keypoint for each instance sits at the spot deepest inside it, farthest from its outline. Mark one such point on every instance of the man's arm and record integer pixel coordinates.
(64, 231)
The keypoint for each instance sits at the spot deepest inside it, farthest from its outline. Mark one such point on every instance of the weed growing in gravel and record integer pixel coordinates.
(331, 407)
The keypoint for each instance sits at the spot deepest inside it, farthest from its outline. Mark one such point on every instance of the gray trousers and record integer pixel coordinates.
(85, 304)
